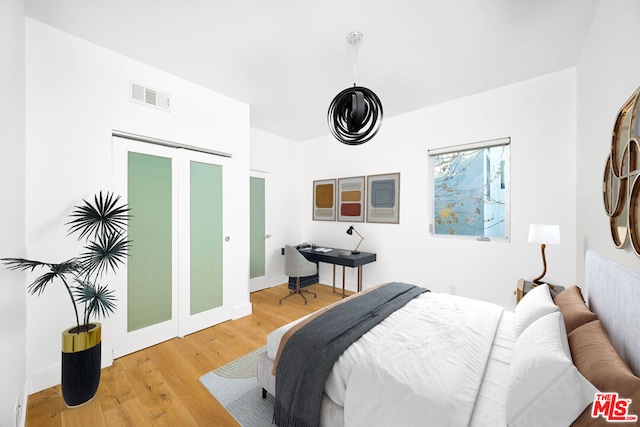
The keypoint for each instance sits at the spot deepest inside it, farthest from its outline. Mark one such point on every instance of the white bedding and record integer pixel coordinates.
(515, 367)
(440, 333)
(490, 409)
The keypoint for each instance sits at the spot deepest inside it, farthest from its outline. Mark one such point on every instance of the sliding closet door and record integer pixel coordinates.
(204, 266)
(145, 175)
(177, 269)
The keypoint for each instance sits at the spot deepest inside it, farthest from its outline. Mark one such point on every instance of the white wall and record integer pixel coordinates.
(77, 93)
(282, 160)
(561, 128)
(539, 115)
(607, 76)
(13, 309)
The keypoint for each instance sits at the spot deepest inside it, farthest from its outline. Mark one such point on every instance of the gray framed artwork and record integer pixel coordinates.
(383, 198)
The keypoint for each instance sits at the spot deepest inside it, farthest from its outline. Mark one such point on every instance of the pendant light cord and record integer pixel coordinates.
(355, 66)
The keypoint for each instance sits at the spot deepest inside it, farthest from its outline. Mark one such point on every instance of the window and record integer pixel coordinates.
(470, 189)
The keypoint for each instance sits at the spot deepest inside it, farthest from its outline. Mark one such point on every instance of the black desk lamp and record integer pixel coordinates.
(350, 232)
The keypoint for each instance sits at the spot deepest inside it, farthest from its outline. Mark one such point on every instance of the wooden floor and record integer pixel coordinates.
(160, 386)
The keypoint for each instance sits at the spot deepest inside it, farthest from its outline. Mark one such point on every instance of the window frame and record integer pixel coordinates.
(506, 141)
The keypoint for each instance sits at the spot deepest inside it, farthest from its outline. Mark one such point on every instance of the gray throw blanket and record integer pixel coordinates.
(309, 355)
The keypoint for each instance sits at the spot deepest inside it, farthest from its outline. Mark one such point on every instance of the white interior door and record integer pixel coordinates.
(145, 175)
(258, 231)
(177, 271)
(204, 265)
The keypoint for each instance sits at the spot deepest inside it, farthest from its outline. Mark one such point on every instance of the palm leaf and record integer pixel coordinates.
(105, 253)
(99, 299)
(103, 217)
(23, 264)
(69, 267)
(102, 224)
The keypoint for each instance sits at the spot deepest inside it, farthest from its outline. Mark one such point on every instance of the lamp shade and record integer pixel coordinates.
(544, 234)
(350, 232)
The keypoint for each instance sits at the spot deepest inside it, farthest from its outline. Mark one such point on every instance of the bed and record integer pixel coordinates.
(447, 360)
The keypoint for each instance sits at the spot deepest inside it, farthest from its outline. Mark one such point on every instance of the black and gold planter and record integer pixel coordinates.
(81, 359)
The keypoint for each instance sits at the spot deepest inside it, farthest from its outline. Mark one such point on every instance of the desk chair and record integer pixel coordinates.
(296, 265)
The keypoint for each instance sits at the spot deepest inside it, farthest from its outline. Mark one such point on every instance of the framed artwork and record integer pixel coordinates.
(383, 198)
(351, 196)
(324, 200)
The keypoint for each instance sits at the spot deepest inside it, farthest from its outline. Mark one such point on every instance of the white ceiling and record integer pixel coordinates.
(289, 58)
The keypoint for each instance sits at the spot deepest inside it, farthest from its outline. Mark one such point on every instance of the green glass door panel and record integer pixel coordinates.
(149, 272)
(206, 236)
(257, 228)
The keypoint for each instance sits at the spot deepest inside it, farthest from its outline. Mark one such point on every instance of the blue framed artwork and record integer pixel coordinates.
(383, 198)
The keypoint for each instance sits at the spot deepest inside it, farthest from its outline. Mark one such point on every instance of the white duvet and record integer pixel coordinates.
(427, 369)
(423, 365)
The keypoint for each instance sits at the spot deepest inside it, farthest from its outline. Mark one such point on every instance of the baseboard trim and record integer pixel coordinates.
(21, 415)
(45, 378)
(52, 375)
(241, 310)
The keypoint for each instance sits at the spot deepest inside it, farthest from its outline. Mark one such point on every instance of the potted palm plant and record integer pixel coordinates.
(101, 226)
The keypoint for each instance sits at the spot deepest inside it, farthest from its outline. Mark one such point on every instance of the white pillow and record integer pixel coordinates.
(544, 387)
(535, 304)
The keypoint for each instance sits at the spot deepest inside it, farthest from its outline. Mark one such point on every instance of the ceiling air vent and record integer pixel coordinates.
(150, 97)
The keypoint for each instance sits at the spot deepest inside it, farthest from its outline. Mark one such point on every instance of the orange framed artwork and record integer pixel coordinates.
(350, 198)
(324, 200)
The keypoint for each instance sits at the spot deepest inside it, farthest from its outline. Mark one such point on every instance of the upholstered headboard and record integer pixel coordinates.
(612, 291)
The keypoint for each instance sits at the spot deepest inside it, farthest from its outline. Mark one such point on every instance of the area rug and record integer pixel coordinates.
(236, 387)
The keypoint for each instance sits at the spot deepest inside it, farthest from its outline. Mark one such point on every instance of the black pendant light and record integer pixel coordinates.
(355, 114)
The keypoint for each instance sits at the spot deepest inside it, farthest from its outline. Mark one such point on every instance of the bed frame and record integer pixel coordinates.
(612, 291)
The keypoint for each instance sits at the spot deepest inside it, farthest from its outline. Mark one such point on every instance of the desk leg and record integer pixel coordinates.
(334, 279)
(343, 294)
(359, 278)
